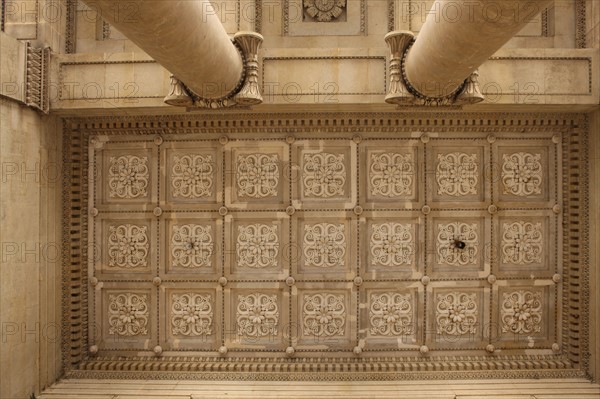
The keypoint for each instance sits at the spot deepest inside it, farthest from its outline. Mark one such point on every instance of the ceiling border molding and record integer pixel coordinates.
(572, 361)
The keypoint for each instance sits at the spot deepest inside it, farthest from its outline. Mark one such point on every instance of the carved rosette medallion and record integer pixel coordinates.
(456, 313)
(257, 246)
(391, 174)
(324, 175)
(391, 314)
(324, 10)
(392, 244)
(192, 176)
(323, 315)
(522, 243)
(191, 314)
(522, 174)
(128, 177)
(257, 315)
(128, 246)
(324, 245)
(448, 252)
(456, 174)
(192, 246)
(521, 312)
(128, 314)
(257, 175)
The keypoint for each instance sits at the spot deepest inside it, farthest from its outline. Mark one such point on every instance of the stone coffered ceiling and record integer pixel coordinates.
(294, 246)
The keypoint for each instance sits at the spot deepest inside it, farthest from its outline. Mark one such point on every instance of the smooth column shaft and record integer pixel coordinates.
(460, 35)
(186, 37)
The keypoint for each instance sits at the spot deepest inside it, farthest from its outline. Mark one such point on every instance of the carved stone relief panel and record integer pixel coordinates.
(256, 245)
(459, 244)
(458, 174)
(323, 246)
(526, 174)
(392, 244)
(391, 317)
(191, 246)
(527, 244)
(125, 246)
(393, 174)
(325, 314)
(324, 17)
(128, 173)
(191, 175)
(256, 176)
(256, 316)
(192, 316)
(124, 318)
(459, 315)
(523, 317)
(322, 173)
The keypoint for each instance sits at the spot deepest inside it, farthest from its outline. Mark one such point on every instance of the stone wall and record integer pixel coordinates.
(30, 253)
